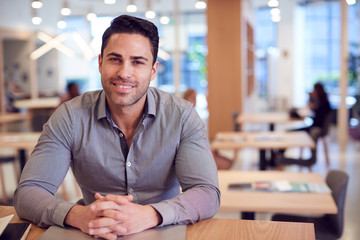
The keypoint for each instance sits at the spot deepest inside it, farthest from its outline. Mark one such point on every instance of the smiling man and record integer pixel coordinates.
(131, 147)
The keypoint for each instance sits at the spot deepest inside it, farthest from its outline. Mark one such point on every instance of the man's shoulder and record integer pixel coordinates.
(166, 99)
(86, 99)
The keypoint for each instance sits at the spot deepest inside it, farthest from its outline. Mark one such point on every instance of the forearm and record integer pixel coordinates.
(191, 206)
(40, 207)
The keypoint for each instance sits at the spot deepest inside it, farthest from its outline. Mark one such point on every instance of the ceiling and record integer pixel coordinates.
(17, 14)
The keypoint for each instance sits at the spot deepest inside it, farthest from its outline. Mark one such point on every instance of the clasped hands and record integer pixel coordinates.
(112, 215)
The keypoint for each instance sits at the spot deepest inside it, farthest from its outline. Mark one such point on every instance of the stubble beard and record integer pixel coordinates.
(126, 99)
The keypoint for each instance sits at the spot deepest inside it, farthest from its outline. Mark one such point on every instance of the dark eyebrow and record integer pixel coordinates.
(133, 58)
(114, 54)
(139, 58)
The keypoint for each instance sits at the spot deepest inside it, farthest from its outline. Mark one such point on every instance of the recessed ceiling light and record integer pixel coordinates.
(36, 4)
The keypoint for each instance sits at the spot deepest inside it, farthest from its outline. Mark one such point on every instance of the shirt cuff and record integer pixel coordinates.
(60, 212)
(166, 212)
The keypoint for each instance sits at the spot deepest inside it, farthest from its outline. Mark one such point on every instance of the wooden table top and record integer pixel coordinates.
(262, 140)
(274, 202)
(230, 229)
(267, 117)
(11, 117)
(37, 103)
(19, 140)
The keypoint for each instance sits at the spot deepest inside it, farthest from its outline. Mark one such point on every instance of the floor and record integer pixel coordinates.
(349, 161)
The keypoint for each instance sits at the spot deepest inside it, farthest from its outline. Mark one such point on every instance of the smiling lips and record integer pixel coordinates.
(123, 88)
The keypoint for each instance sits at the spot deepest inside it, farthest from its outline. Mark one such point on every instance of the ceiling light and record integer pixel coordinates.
(36, 20)
(36, 4)
(90, 16)
(51, 43)
(88, 52)
(275, 11)
(150, 14)
(65, 11)
(200, 5)
(350, 2)
(61, 24)
(131, 7)
(109, 1)
(275, 18)
(273, 3)
(164, 20)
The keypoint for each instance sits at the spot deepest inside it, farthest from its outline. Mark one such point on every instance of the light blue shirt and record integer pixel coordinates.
(169, 149)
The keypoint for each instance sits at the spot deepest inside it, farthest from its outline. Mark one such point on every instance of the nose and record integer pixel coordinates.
(125, 70)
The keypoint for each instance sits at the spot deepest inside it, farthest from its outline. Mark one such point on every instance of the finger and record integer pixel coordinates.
(102, 222)
(97, 231)
(104, 205)
(110, 236)
(119, 199)
(119, 216)
(98, 196)
(119, 229)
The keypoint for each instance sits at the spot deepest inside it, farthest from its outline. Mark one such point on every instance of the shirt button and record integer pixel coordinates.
(129, 164)
(131, 190)
(121, 135)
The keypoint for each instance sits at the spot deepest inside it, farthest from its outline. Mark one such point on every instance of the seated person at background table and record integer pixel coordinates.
(320, 108)
(72, 90)
(130, 147)
(319, 105)
(190, 95)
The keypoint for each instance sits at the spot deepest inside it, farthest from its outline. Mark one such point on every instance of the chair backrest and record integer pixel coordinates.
(327, 123)
(337, 182)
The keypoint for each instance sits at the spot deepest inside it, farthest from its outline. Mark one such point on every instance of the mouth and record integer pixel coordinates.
(123, 88)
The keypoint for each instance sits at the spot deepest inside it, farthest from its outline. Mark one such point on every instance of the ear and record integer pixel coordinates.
(154, 70)
(100, 62)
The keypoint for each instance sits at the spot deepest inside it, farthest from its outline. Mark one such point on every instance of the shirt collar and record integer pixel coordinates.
(150, 105)
(102, 109)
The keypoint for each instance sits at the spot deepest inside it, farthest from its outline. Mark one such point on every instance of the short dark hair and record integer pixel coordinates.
(130, 24)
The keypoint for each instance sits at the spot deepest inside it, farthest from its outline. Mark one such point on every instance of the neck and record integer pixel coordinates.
(127, 118)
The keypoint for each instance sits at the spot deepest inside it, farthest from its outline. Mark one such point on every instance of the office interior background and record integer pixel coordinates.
(277, 55)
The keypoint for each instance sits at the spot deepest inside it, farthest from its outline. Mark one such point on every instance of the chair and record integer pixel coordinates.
(300, 162)
(315, 135)
(323, 133)
(222, 163)
(328, 226)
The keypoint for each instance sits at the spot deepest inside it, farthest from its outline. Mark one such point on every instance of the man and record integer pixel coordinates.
(130, 147)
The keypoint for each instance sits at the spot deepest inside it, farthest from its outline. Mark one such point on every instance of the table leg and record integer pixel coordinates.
(248, 215)
(273, 158)
(262, 165)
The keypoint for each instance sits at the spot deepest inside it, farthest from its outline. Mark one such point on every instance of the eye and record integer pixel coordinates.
(114, 60)
(138, 62)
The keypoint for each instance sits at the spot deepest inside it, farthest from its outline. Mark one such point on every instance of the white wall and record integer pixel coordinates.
(16, 64)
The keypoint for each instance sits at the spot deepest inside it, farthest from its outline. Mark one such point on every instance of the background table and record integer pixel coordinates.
(262, 141)
(213, 228)
(270, 118)
(39, 109)
(6, 118)
(273, 202)
(21, 141)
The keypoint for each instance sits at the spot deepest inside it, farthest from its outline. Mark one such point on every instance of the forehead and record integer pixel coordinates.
(128, 43)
